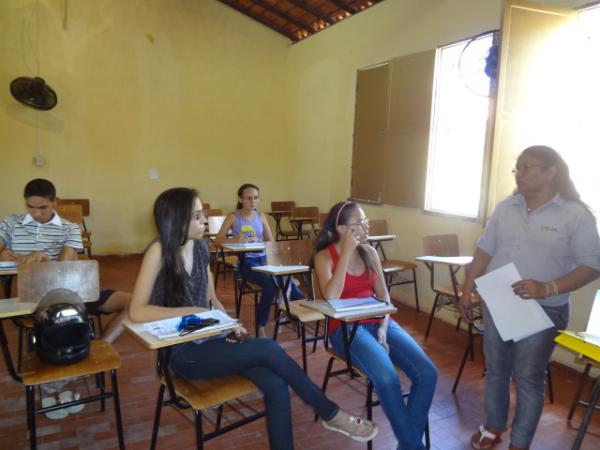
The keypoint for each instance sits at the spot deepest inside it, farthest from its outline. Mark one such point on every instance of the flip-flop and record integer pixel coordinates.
(56, 414)
(484, 439)
(68, 396)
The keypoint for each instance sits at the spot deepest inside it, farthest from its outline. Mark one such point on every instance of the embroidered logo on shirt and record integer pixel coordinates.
(548, 228)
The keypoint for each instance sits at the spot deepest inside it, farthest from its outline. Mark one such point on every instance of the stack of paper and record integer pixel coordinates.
(8, 265)
(514, 318)
(167, 328)
(352, 304)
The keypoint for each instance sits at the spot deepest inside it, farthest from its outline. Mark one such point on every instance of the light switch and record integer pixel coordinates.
(153, 174)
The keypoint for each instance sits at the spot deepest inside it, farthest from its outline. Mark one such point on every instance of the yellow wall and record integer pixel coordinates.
(204, 103)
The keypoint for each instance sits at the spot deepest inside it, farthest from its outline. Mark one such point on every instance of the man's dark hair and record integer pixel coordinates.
(40, 188)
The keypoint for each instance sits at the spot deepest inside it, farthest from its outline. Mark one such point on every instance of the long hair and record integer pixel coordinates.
(339, 214)
(172, 216)
(241, 190)
(562, 181)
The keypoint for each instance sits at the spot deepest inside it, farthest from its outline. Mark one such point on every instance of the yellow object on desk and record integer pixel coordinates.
(578, 344)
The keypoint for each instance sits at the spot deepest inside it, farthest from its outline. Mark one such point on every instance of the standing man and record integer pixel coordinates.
(551, 236)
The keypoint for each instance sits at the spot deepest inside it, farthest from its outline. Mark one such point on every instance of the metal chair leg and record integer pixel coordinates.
(414, 272)
(580, 386)
(199, 434)
(549, 379)
(303, 337)
(159, 402)
(30, 400)
(435, 302)
(468, 350)
(117, 401)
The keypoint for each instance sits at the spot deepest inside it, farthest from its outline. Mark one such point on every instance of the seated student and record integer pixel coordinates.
(347, 267)
(175, 280)
(42, 235)
(248, 225)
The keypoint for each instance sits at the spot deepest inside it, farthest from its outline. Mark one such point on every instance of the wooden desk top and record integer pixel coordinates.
(381, 238)
(244, 246)
(281, 270)
(152, 342)
(448, 260)
(11, 307)
(302, 219)
(279, 213)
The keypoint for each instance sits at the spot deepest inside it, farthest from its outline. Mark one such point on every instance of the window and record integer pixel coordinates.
(457, 141)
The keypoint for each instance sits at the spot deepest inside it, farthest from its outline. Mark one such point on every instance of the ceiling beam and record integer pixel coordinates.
(247, 12)
(285, 15)
(309, 9)
(344, 7)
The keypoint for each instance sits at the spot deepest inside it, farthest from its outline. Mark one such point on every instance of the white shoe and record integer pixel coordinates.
(56, 414)
(68, 396)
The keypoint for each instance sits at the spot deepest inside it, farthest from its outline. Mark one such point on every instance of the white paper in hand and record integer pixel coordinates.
(514, 318)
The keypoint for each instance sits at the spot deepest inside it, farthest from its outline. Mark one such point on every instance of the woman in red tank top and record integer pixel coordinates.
(348, 267)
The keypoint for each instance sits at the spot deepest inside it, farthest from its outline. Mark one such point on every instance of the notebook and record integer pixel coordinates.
(592, 332)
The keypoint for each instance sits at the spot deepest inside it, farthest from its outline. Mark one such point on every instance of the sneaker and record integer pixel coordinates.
(354, 427)
(57, 414)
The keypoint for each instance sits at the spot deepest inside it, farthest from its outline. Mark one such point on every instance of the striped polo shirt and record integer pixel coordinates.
(22, 234)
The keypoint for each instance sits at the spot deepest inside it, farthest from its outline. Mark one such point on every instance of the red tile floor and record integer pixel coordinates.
(453, 418)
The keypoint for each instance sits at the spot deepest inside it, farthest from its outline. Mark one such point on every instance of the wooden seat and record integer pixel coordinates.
(285, 209)
(102, 358)
(200, 395)
(75, 210)
(296, 253)
(448, 294)
(203, 394)
(211, 212)
(394, 270)
(305, 211)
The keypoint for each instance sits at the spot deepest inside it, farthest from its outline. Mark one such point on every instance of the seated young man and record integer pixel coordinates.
(42, 235)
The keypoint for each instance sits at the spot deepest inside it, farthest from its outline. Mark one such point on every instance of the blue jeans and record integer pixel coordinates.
(268, 287)
(266, 364)
(408, 420)
(526, 362)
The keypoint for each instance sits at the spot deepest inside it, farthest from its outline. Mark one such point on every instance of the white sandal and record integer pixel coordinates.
(68, 396)
(57, 414)
(353, 428)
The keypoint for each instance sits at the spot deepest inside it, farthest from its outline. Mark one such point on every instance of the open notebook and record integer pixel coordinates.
(592, 332)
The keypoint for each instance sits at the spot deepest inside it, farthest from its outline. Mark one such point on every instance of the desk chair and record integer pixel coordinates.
(102, 358)
(73, 212)
(201, 395)
(211, 212)
(354, 373)
(476, 329)
(296, 253)
(393, 267)
(448, 294)
(305, 211)
(583, 380)
(286, 207)
(82, 277)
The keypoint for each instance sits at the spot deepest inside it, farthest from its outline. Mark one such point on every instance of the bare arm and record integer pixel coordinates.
(7, 254)
(267, 234)
(225, 228)
(68, 254)
(575, 279)
(139, 309)
(477, 268)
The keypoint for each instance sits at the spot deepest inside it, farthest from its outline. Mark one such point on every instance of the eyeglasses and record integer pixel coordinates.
(522, 168)
(360, 223)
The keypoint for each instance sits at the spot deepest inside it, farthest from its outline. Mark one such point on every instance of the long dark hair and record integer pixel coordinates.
(241, 190)
(172, 216)
(562, 181)
(339, 214)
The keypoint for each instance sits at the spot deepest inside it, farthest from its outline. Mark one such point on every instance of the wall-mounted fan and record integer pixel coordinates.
(33, 92)
(478, 63)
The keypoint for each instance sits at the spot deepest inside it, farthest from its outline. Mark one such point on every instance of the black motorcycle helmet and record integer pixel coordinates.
(62, 329)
